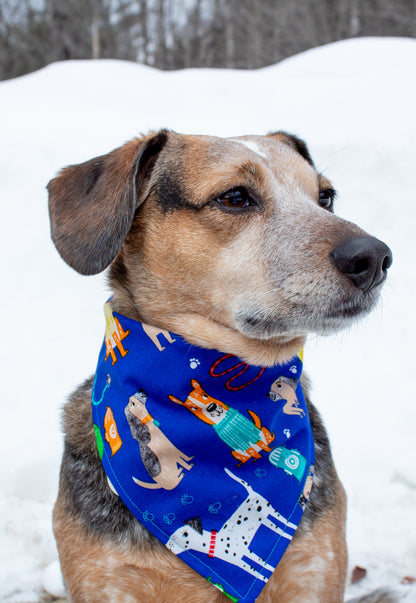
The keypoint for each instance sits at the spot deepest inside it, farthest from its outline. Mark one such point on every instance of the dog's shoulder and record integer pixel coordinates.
(84, 488)
(77, 421)
(326, 484)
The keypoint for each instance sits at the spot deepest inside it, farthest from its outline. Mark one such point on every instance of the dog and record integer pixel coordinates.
(154, 332)
(232, 244)
(245, 438)
(284, 388)
(160, 457)
(257, 512)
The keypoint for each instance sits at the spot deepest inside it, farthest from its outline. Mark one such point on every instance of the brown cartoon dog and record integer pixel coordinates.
(284, 388)
(154, 332)
(160, 457)
(232, 244)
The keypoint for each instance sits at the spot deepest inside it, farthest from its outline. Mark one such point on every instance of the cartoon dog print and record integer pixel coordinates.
(284, 388)
(114, 335)
(232, 542)
(111, 432)
(154, 332)
(246, 438)
(307, 489)
(160, 457)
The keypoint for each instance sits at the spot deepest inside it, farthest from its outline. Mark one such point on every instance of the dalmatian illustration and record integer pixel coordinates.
(232, 542)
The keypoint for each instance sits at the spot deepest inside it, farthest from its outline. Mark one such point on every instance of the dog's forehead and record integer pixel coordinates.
(213, 149)
(206, 162)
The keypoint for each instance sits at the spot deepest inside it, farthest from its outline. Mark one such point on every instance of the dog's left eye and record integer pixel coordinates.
(236, 199)
(326, 198)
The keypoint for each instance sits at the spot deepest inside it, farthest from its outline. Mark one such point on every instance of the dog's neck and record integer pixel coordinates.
(205, 332)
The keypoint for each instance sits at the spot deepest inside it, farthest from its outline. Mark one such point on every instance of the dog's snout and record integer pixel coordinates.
(364, 260)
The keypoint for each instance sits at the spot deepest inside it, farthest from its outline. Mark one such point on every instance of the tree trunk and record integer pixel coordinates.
(229, 33)
(95, 36)
(161, 34)
(354, 19)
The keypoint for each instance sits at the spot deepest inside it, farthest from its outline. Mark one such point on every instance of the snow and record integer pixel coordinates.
(52, 580)
(353, 102)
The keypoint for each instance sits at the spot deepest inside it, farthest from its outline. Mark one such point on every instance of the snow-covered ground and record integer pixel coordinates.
(354, 102)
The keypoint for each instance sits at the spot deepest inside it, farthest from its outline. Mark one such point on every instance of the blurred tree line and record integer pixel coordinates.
(176, 34)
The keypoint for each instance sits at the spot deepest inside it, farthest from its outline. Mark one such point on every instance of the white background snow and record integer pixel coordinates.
(354, 103)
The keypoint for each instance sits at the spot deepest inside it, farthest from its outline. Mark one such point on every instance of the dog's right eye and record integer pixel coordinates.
(236, 199)
(326, 198)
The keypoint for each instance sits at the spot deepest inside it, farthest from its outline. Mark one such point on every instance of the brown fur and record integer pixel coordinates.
(107, 572)
(250, 283)
(313, 569)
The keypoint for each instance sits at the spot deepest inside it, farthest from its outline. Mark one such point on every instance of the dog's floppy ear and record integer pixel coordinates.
(195, 523)
(92, 205)
(297, 144)
(173, 399)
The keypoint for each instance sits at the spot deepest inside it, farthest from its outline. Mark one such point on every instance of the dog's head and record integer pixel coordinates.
(282, 389)
(202, 405)
(232, 243)
(137, 405)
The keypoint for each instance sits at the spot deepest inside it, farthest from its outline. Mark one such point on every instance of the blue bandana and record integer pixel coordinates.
(214, 456)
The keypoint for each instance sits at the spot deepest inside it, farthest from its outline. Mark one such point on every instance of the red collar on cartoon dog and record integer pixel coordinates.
(212, 543)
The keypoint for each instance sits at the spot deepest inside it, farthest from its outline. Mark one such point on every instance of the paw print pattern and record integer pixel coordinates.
(214, 508)
(147, 516)
(194, 363)
(187, 499)
(261, 472)
(294, 369)
(169, 518)
(287, 433)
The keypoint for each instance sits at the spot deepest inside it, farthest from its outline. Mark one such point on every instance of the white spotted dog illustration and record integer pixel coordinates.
(160, 457)
(284, 388)
(154, 332)
(246, 438)
(232, 542)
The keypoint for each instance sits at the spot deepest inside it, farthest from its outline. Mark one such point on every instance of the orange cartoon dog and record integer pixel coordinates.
(244, 437)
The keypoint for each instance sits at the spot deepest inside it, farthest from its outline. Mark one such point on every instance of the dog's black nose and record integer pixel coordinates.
(364, 260)
(211, 407)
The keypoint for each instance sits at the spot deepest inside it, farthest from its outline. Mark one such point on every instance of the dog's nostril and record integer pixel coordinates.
(364, 260)
(387, 262)
(361, 265)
